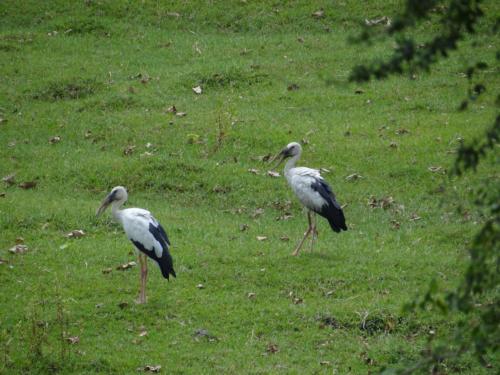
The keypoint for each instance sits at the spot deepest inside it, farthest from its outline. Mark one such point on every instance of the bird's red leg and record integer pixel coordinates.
(297, 249)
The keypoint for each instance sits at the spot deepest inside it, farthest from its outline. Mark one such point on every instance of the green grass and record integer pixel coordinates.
(83, 84)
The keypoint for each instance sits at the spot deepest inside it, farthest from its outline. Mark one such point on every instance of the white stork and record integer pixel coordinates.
(145, 232)
(313, 192)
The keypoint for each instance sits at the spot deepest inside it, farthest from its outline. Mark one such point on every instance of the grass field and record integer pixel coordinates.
(101, 75)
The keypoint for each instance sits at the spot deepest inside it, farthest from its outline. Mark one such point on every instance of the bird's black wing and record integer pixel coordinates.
(165, 261)
(331, 210)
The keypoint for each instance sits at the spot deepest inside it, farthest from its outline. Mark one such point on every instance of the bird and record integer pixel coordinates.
(145, 232)
(312, 191)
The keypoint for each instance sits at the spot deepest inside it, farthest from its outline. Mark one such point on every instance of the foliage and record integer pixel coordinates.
(476, 299)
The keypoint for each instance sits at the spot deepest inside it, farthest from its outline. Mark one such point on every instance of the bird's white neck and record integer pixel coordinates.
(115, 209)
(290, 164)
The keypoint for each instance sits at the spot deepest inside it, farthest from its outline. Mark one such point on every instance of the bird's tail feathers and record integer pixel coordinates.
(166, 266)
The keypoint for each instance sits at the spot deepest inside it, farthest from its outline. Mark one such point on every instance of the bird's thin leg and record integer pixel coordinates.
(297, 249)
(144, 277)
(144, 271)
(313, 230)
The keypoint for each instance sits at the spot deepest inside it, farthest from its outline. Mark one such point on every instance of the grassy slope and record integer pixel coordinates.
(197, 189)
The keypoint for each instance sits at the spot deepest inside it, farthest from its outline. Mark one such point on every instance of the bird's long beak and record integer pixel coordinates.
(104, 204)
(280, 157)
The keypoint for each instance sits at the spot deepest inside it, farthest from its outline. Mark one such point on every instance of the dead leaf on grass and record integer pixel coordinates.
(414, 217)
(353, 177)
(319, 14)
(77, 233)
(73, 340)
(55, 139)
(273, 174)
(437, 169)
(27, 184)
(107, 270)
(200, 286)
(253, 170)
(251, 295)
(128, 150)
(181, 114)
(18, 249)
(150, 368)
(172, 109)
(197, 90)
(259, 211)
(126, 266)
(261, 238)
(272, 348)
(384, 20)
(10, 179)
(284, 238)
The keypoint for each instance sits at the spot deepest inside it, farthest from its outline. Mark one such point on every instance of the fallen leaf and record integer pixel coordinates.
(88, 134)
(297, 301)
(251, 295)
(272, 348)
(77, 233)
(384, 20)
(172, 109)
(402, 131)
(259, 211)
(436, 169)
(27, 184)
(129, 150)
(143, 333)
(200, 286)
(395, 224)
(18, 249)
(150, 368)
(261, 238)
(203, 333)
(359, 91)
(284, 238)
(149, 145)
(324, 170)
(107, 270)
(386, 202)
(73, 340)
(353, 177)
(414, 217)
(197, 90)
(126, 266)
(273, 174)
(55, 139)
(10, 179)
(181, 114)
(253, 170)
(325, 363)
(173, 14)
(319, 14)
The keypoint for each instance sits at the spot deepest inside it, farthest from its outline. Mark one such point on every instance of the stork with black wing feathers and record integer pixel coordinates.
(313, 192)
(145, 232)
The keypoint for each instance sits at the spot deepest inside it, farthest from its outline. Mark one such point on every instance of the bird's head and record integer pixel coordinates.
(118, 194)
(292, 149)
